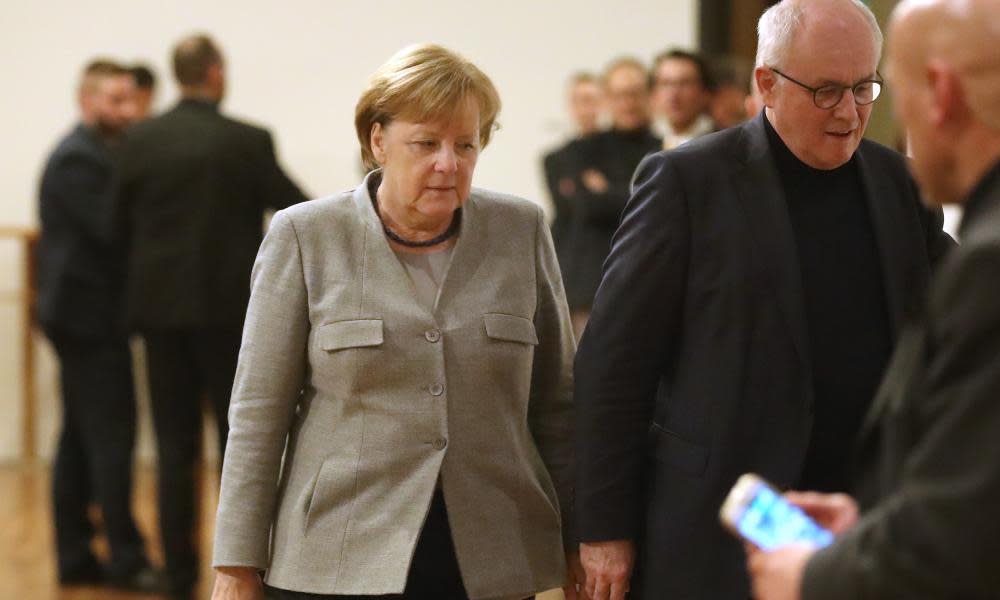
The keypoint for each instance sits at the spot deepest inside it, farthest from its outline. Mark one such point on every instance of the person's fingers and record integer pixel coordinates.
(618, 591)
(601, 590)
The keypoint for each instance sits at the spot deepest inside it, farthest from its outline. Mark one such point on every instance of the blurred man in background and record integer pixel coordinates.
(682, 95)
(81, 280)
(195, 186)
(607, 160)
(585, 101)
(145, 90)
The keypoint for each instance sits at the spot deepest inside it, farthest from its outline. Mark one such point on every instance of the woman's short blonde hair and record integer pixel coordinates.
(424, 82)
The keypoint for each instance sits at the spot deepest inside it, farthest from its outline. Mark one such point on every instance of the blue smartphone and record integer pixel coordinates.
(757, 512)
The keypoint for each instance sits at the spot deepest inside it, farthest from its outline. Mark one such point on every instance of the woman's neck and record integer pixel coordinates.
(412, 226)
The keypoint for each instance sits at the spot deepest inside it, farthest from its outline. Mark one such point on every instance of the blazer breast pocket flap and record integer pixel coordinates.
(358, 333)
(510, 328)
(674, 450)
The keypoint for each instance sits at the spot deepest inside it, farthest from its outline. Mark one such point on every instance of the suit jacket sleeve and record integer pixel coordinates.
(279, 190)
(937, 535)
(635, 319)
(78, 186)
(266, 391)
(550, 412)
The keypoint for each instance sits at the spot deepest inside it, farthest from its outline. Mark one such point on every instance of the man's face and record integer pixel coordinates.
(109, 104)
(628, 97)
(837, 51)
(679, 95)
(585, 100)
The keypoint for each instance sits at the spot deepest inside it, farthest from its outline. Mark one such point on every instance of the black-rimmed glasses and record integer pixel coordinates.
(828, 96)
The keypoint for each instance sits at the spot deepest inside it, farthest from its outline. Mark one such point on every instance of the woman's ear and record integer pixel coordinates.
(377, 141)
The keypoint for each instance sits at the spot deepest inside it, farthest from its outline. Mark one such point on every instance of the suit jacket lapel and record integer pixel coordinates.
(881, 196)
(763, 200)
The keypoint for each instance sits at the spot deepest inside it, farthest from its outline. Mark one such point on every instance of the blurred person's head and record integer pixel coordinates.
(816, 70)
(728, 106)
(945, 69)
(107, 97)
(145, 89)
(585, 100)
(627, 88)
(199, 68)
(682, 87)
(424, 117)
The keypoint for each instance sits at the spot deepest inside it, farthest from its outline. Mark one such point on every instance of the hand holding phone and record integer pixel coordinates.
(756, 512)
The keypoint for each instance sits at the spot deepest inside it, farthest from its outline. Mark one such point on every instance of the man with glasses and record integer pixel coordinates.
(751, 300)
(929, 525)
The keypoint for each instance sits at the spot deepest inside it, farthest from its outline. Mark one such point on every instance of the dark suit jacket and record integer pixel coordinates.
(933, 469)
(594, 217)
(561, 164)
(195, 186)
(80, 274)
(694, 367)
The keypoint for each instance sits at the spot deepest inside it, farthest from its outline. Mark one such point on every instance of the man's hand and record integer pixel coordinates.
(777, 575)
(237, 583)
(836, 512)
(595, 181)
(609, 567)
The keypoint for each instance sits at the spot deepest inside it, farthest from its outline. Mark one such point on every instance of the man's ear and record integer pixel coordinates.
(947, 98)
(766, 82)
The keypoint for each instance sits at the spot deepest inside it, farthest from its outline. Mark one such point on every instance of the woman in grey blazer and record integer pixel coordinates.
(401, 417)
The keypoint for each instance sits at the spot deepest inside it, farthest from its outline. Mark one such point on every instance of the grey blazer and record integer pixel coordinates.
(351, 398)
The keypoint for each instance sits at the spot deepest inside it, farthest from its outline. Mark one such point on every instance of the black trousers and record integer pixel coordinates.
(184, 367)
(93, 460)
(433, 575)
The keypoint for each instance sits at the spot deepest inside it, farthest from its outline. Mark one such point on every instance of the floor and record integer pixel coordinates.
(27, 566)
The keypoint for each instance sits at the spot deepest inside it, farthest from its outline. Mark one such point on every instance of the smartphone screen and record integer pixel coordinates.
(769, 521)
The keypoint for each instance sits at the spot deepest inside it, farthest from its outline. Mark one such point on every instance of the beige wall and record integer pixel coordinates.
(296, 66)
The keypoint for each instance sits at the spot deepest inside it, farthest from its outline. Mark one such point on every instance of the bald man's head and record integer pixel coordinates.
(945, 66)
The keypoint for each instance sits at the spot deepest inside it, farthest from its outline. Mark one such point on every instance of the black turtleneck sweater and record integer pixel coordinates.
(847, 321)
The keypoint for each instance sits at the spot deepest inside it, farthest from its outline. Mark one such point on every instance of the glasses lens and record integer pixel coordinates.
(828, 96)
(867, 92)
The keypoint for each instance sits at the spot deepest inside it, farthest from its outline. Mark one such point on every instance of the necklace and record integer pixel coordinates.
(456, 221)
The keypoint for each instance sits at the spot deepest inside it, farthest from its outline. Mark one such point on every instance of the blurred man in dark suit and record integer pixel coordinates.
(682, 88)
(929, 525)
(195, 186)
(606, 161)
(562, 165)
(749, 306)
(79, 307)
(145, 90)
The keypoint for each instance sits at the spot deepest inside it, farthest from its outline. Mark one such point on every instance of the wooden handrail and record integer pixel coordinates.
(28, 237)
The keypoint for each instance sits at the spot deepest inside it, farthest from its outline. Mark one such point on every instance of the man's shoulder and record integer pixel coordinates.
(78, 147)
(710, 154)
(883, 155)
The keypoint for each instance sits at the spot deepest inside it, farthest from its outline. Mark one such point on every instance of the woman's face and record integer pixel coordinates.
(427, 167)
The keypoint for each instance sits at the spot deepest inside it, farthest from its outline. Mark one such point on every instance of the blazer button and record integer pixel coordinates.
(436, 389)
(440, 443)
(432, 335)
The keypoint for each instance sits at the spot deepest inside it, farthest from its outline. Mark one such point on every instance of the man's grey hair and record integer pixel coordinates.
(779, 24)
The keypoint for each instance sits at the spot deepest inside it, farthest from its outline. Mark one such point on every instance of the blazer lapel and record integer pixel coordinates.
(763, 202)
(383, 274)
(881, 196)
(465, 258)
